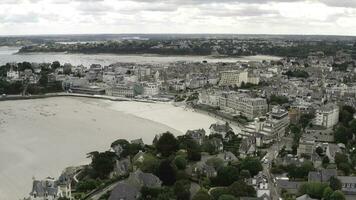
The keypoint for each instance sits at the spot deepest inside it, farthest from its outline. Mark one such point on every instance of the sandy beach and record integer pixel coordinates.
(39, 138)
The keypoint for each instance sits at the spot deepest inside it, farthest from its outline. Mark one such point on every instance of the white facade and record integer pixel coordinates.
(150, 89)
(327, 116)
(13, 75)
(109, 78)
(236, 78)
(243, 105)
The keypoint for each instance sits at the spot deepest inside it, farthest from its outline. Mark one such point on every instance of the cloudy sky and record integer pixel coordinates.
(19, 17)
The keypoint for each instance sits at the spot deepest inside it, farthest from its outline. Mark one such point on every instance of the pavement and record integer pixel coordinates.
(97, 195)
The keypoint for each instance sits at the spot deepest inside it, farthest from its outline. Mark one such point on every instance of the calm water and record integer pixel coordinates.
(7, 54)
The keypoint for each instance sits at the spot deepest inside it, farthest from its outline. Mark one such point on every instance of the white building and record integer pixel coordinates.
(327, 116)
(269, 129)
(13, 75)
(210, 98)
(243, 105)
(109, 78)
(121, 91)
(150, 89)
(235, 77)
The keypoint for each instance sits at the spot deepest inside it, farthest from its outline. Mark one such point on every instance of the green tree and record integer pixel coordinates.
(337, 195)
(353, 126)
(241, 189)
(325, 161)
(244, 174)
(342, 134)
(193, 150)
(227, 197)
(166, 173)
(149, 164)
(327, 193)
(319, 151)
(313, 189)
(253, 165)
(102, 164)
(278, 100)
(335, 183)
(180, 162)
(346, 115)
(305, 120)
(217, 192)
(182, 189)
(55, 65)
(167, 144)
(202, 195)
(215, 162)
(344, 167)
(341, 158)
(226, 176)
(87, 185)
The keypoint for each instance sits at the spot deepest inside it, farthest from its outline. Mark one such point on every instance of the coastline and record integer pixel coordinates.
(89, 123)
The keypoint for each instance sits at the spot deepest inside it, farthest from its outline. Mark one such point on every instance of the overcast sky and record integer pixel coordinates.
(336, 17)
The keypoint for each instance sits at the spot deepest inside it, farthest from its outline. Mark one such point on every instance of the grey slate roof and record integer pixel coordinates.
(142, 179)
(124, 191)
(40, 188)
(305, 197)
(286, 184)
(323, 176)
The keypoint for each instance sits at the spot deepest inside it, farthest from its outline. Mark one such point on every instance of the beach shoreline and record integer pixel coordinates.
(41, 137)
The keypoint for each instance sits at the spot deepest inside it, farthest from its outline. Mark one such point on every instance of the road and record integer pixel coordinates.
(100, 193)
(272, 153)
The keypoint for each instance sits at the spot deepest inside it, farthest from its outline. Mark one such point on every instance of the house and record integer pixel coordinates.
(263, 197)
(124, 191)
(327, 116)
(227, 156)
(305, 197)
(122, 166)
(217, 143)
(117, 149)
(220, 129)
(323, 175)
(138, 141)
(121, 90)
(139, 157)
(260, 183)
(150, 89)
(289, 186)
(141, 179)
(247, 147)
(197, 135)
(348, 184)
(306, 147)
(331, 151)
(201, 168)
(46, 189)
(316, 159)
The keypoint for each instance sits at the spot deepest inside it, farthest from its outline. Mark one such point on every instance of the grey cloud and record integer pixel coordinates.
(20, 18)
(249, 11)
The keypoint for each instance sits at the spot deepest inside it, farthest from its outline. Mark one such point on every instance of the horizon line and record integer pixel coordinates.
(243, 34)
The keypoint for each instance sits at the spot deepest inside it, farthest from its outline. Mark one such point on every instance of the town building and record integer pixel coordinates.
(236, 78)
(348, 184)
(91, 90)
(150, 89)
(121, 90)
(197, 135)
(327, 116)
(243, 105)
